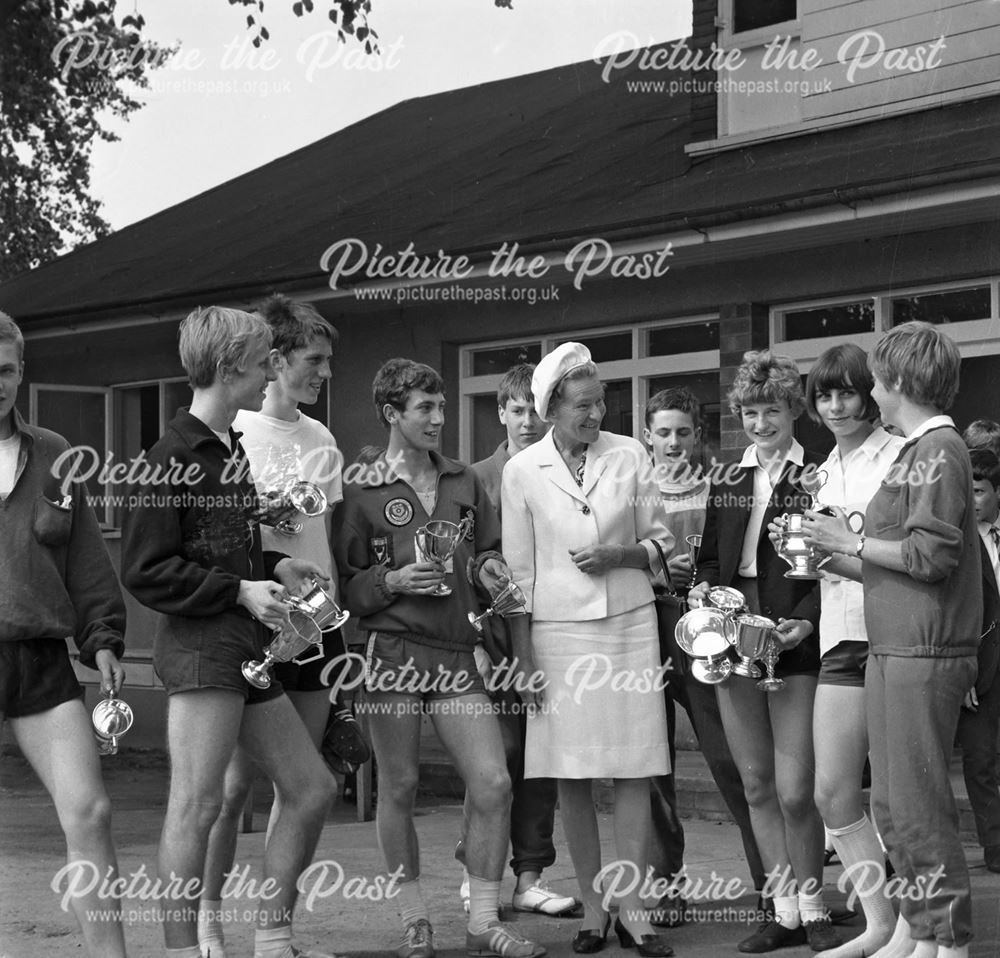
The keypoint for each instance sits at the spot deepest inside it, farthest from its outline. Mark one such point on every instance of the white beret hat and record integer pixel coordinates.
(552, 368)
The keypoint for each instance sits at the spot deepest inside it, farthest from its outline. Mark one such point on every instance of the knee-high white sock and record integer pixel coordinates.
(411, 904)
(858, 848)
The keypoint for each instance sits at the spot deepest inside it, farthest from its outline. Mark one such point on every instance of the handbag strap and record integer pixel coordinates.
(663, 562)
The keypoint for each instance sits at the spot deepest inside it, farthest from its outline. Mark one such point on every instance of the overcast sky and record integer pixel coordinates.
(219, 108)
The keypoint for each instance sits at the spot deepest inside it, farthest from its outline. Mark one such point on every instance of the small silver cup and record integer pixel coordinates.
(705, 634)
(111, 719)
(279, 509)
(752, 635)
(321, 607)
(508, 601)
(793, 548)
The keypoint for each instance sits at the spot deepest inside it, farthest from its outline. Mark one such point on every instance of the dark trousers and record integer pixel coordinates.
(912, 705)
(977, 736)
(702, 706)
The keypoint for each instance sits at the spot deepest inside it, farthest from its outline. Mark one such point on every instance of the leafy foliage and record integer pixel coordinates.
(66, 70)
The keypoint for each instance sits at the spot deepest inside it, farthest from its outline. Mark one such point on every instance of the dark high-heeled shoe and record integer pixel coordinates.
(648, 946)
(587, 941)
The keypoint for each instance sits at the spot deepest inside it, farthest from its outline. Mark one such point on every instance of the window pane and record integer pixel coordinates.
(605, 349)
(689, 338)
(953, 306)
(495, 362)
(487, 430)
(618, 398)
(750, 14)
(706, 387)
(845, 319)
(78, 416)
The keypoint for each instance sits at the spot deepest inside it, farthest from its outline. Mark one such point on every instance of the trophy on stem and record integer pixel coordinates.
(437, 541)
(309, 616)
(508, 601)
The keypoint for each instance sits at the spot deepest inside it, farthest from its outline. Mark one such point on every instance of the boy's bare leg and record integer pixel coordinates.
(202, 730)
(275, 738)
(59, 745)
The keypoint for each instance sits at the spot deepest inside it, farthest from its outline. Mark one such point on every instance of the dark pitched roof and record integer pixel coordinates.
(536, 158)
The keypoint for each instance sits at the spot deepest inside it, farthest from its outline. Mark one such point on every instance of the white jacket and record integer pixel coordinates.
(545, 514)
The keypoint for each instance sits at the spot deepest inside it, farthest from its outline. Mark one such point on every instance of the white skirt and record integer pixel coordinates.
(603, 714)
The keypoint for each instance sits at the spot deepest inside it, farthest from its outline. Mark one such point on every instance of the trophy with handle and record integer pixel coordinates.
(751, 638)
(279, 508)
(508, 601)
(437, 541)
(706, 635)
(294, 636)
(321, 607)
(111, 718)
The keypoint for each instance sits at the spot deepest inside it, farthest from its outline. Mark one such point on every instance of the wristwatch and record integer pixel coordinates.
(860, 546)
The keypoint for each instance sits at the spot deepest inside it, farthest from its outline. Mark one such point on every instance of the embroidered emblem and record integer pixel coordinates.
(398, 511)
(467, 514)
(381, 550)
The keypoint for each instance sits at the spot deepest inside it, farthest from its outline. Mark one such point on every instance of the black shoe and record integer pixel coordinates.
(648, 946)
(344, 747)
(587, 941)
(671, 912)
(838, 916)
(821, 935)
(830, 856)
(991, 855)
(771, 936)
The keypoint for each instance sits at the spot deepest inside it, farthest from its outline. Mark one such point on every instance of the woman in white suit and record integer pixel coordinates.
(581, 511)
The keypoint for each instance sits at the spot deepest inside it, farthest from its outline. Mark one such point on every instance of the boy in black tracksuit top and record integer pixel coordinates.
(419, 653)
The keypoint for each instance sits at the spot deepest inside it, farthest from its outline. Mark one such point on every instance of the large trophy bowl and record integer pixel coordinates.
(321, 607)
(437, 542)
(793, 548)
(279, 509)
(751, 638)
(706, 635)
(111, 718)
(508, 601)
(297, 634)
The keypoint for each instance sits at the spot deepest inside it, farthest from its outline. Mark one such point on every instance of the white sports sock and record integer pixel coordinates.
(483, 897)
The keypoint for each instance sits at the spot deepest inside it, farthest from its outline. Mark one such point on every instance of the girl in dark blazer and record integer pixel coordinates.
(770, 734)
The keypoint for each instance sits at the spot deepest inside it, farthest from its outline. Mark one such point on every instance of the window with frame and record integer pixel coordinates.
(635, 361)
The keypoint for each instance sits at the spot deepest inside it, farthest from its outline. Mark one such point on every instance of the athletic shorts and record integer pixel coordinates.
(844, 664)
(185, 663)
(398, 665)
(35, 676)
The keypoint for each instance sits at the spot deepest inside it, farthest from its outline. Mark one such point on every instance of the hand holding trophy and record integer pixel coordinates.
(508, 601)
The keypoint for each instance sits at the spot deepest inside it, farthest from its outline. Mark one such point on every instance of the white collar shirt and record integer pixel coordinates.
(762, 490)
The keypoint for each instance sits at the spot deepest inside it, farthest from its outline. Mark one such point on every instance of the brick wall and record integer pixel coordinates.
(742, 326)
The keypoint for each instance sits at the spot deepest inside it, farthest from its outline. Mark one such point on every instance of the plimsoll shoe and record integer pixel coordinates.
(344, 747)
(418, 940)
(501, 941)
(542, 900)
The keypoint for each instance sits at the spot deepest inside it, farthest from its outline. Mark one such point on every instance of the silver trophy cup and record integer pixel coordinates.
(793, 548)
(771, 683)
(111, 718)
(706, 635)
(508, 601)
(298, 633)
(752, 635)
(437, 541)
(279, 509)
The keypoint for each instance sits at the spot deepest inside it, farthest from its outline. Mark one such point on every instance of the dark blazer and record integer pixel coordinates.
(729, 503)
(989, 648)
